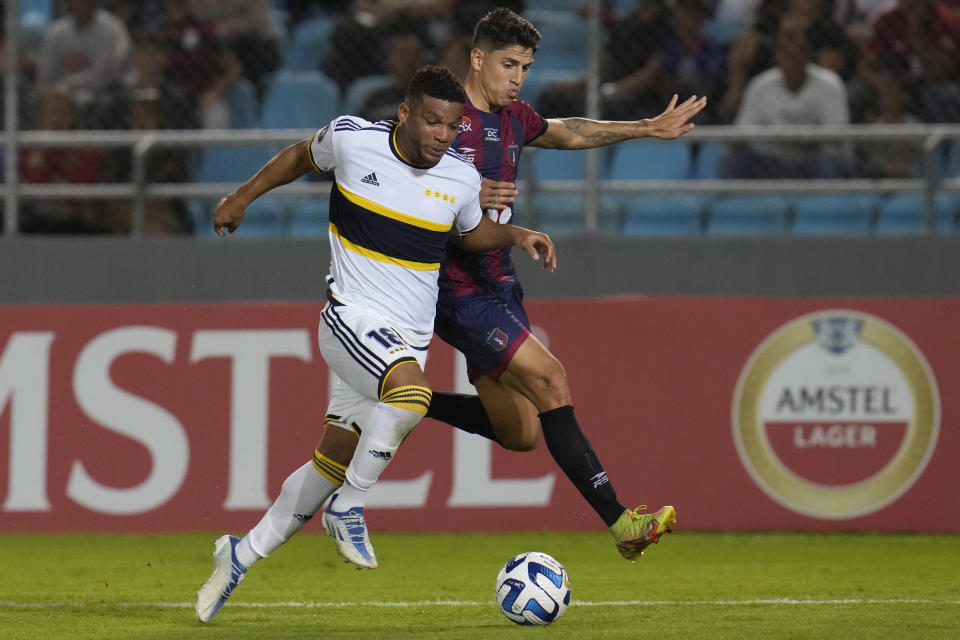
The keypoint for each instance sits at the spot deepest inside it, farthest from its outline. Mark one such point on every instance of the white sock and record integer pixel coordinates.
(303, 493)
(384, 428)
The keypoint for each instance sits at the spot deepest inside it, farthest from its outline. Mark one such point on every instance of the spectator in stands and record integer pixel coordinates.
(355, 49)
(404, 56)
(918, 42)
(796, 91)
(891, 159)
(137, 15)
(455, 53)
(751, 52)
(251, 33)
(56, 112)
(26, 70)
(147, 76)
(195, 63)
(146, 112)
(692, 62)
(85, 51)
(630, 68)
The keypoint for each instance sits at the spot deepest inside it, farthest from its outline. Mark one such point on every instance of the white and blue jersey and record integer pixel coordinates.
(389, 220)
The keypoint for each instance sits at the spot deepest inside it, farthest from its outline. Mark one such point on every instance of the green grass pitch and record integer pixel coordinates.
(691, 585)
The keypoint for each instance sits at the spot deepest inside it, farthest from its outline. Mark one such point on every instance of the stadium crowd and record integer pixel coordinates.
(163, 64)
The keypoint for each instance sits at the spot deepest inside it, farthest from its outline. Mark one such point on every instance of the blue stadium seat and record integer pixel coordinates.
(360, 91)
(706, 160)
(228, 165)
(650, 160)
(564, 43)
(903, 213)
(560, 164)
(660, 215)
(310, 218)
(242, 102)
(834, 213)
(267, 217)
(747, 215)
(562, 214)
(35, 17)
(300, 100)
(231, 164)
(648, 213)
(951, 160)
(35, 11)
(308, 43)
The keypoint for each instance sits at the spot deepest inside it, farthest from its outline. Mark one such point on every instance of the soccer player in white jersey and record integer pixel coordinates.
(398, 195)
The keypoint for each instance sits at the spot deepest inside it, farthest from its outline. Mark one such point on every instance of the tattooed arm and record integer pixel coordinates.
(582, 133)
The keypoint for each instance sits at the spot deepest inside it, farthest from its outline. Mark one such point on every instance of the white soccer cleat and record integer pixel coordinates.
(349, 532)
(227, 575)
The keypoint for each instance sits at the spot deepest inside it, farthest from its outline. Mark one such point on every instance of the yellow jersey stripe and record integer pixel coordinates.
(381, 257)
(390, 213)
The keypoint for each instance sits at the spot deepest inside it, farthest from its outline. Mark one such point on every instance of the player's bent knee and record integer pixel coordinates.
(411, 397)
(337, 442)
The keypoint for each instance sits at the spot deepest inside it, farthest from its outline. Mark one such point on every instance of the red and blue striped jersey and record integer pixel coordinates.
(493, 143)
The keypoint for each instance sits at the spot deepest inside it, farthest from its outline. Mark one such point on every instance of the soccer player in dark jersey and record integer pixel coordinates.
(522, 387)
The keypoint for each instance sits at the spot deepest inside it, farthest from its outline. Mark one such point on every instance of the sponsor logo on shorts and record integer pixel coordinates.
(497, 339)
(383, 455)
(836, 414)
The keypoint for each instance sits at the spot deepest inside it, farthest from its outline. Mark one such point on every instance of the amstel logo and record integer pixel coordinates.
(836, 414)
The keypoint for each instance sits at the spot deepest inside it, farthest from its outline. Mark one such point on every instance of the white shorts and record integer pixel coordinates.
(361, 346)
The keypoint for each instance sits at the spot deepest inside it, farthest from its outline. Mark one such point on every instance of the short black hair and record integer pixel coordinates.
(501, 28)
(436, 82)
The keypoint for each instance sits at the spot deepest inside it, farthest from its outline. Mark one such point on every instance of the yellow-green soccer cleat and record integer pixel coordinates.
(634, 531)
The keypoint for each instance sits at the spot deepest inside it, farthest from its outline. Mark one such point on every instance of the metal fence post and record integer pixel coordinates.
(140, 151)
(11, 124)
(592, 193)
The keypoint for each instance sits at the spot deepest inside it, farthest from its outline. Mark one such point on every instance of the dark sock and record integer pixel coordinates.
(573, 454)
(465, 412)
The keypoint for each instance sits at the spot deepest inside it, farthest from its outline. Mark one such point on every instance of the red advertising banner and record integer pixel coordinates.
(744, 413)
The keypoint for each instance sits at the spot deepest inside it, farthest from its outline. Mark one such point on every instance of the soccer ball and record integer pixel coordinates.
(533, 588)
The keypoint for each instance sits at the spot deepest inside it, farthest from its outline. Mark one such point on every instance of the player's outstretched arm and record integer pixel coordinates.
(489, 236)
(286, 166)
(583, 133)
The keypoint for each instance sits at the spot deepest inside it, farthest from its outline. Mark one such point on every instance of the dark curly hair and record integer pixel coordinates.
(436, 82)
(501, 28)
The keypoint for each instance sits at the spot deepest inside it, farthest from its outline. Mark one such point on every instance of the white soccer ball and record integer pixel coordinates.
(533, 588)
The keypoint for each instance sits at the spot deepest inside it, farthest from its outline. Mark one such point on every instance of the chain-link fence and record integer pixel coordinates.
(277, 64)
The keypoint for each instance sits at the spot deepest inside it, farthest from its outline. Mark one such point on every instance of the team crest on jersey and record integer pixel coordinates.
(497, 339)
(465, 124)
(513, 154)
(491, 134)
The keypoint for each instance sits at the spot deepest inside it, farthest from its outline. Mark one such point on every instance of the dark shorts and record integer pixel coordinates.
(487, 327)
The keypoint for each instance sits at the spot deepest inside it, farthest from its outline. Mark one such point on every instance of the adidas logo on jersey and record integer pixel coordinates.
(371, 179)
